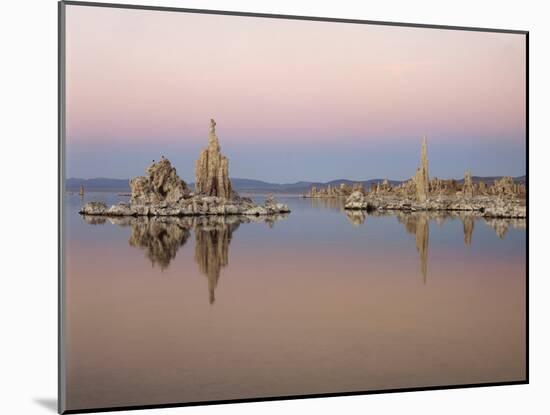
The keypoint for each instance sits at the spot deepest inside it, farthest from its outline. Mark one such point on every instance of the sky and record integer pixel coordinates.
(293, 100)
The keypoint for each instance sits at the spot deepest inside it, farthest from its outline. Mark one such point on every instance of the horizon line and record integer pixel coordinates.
(316, 181)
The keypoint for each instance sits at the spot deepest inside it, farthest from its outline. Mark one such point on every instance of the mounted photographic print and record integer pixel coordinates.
(258, 207)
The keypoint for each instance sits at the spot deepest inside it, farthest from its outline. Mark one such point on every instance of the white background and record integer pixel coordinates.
(28, 230)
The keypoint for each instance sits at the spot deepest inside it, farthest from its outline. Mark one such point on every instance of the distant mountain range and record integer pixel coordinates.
(249, 185)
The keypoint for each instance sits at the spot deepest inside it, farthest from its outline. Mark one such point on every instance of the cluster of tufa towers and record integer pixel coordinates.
(162, 183)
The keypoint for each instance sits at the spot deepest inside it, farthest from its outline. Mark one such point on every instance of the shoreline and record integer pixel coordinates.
(191, 206)
(485, 206)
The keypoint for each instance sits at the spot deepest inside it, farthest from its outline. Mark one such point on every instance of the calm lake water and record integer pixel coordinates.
(318, 301)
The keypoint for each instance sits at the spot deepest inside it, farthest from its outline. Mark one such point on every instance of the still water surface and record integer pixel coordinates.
(317, 301)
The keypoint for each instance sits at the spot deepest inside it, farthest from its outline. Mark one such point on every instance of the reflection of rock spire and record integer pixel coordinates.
(500, 226)
(468, 225)
(212, 250)
(356, 217)
(422, 242)
(160, 238)
(418, 225)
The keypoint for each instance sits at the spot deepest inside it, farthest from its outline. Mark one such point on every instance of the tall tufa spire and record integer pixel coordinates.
(212, 169)
(422, 178)
(424, 157)
(468, 187)
(213, 143)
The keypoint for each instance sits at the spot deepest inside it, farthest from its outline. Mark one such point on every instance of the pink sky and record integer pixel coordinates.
(132, 72)
(134, 76)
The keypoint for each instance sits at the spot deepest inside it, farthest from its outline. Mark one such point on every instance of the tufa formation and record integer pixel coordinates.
(161, 184)
(162, 193)
(212, 169)
(422, 178)
(503, 198)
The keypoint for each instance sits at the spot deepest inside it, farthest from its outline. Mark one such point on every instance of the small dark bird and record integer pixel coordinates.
(153, 161)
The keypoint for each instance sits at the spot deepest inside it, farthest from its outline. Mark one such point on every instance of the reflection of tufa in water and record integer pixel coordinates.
(468, 225)
(328, 203)
(94, 220)
(356, 217)
(162, 237)
(501, 226)
(212, 239)
(418, 224)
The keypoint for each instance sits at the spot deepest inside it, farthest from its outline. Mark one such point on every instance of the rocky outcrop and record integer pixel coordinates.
(192, 206)
(343, 190)
(486, 205)
(503, 199)
(382, 188)
(482, 188)
(95, 208)
(406, 189)
(356, 201)
(212, 169)
(442, 187)
(162, 193)
(504, 208)
(505, 187)
(161, 185)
